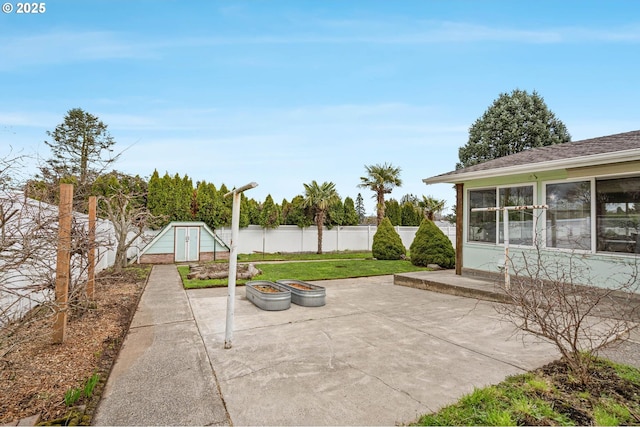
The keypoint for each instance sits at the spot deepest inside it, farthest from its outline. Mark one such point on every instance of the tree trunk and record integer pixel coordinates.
(319, 223)
(380, 207)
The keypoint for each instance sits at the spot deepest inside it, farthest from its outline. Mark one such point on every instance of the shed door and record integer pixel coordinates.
(187, 244)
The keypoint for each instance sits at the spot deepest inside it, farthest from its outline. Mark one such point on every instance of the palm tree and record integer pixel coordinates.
(320, 198)
(431, 206)
(381, 179)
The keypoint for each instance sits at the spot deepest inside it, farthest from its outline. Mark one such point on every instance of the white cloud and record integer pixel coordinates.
(58, 47)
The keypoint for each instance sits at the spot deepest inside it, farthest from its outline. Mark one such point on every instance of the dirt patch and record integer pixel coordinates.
(300, 286)
(267, 289)
(217, 270)
(577, 401)
(35, 376)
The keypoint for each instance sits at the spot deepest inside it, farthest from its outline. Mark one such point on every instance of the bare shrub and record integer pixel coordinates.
(556, 296)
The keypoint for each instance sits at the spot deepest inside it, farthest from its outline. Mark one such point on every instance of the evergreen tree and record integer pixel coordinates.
(431, 246)
(393, 212)
(253, 209)
(299, 214)
(156, 200)
(81, 149)
(360, 210)
(411, 215)
(208, 204)
(285, 208)
(350, 214)
(225, 208)
(335, 214)
(245, 211)
(270, 213)
(387, 243)
(514, 122)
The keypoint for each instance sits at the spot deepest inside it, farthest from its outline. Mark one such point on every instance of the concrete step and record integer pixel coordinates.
(447, 282)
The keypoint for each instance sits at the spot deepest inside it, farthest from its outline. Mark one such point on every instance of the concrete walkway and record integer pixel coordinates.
(163, 375)
(375, 354)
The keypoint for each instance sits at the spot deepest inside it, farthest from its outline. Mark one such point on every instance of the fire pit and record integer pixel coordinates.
(303, 293)
(268, 296)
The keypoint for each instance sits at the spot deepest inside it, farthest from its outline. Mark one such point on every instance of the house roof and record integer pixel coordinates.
(616, 148)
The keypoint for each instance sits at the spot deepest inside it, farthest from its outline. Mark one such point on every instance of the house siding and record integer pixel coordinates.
(597, 268)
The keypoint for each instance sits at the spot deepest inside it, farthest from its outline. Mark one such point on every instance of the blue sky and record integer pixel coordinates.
(286, 92)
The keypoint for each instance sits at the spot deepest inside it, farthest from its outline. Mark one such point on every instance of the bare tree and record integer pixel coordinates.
(28, 240)
(129, 217)
(555, 296)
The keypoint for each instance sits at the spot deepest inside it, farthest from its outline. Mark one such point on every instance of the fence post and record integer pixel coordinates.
(63, 262)
(91, 268)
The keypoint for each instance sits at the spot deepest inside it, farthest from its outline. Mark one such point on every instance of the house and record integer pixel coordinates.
(184, 242)
(590, 196)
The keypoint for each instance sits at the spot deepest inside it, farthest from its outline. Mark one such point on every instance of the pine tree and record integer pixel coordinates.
(360, 210)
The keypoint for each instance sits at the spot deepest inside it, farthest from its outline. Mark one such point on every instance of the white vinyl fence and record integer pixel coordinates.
(32, 228)
(291, 238)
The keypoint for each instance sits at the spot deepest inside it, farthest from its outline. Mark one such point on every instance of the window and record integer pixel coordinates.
(483, 225)
(618, 215)
(568, 218)
(520, 221)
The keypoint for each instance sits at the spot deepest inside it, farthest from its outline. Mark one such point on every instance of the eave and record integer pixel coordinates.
(560, 164)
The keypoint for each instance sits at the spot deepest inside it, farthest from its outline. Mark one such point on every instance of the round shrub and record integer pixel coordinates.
(387, 243)
(432, 246)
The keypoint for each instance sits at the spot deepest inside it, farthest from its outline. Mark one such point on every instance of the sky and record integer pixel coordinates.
(286, 92)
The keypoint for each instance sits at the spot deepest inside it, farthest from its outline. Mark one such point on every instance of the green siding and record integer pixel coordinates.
(597, 269)
(164, 245)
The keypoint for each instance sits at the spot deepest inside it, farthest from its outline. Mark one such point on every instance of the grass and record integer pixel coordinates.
(540, 399)
(332, 269)
(257, 257)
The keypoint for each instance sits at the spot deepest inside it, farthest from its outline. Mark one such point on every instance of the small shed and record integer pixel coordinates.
(184, 241)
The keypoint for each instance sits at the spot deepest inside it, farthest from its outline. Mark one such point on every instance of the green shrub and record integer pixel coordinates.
(432, 246)
(387, 243)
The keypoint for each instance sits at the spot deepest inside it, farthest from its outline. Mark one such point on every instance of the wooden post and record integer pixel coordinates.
(91, 268)
(63, 262)
(459, 226)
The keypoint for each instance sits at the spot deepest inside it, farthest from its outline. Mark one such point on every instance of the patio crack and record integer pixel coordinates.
(396, 389)
(473, 350)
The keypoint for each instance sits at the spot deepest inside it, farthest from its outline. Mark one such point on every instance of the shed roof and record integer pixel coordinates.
(173, 224)
(588, 152)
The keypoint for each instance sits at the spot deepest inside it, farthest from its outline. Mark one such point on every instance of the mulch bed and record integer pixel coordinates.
(36, 375)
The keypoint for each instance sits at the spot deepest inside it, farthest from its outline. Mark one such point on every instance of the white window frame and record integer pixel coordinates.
(592, 189)
(497, 188)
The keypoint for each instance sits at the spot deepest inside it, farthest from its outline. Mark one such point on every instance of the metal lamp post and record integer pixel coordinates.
(233, 259)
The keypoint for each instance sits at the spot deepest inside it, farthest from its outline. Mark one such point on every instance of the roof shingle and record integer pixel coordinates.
(586, 147)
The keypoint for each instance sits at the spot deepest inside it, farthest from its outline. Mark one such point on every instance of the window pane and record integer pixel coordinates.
(482, 225)
(569, 215)
(520, 221)
(618, 214)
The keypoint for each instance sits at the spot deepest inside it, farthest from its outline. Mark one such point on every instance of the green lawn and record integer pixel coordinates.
(316, 270)
(257, 257)
(546, 397)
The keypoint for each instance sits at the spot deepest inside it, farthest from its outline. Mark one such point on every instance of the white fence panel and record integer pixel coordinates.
(291, 238)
